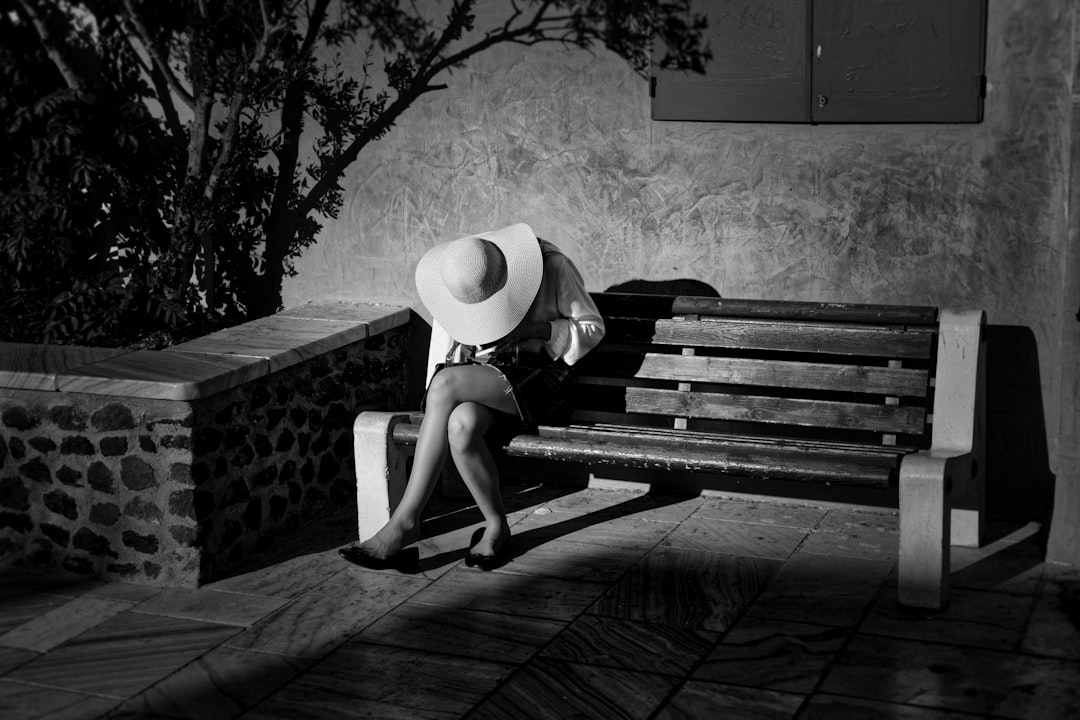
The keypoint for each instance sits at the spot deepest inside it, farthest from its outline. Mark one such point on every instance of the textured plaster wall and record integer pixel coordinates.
(948, 215)
(1065, 538)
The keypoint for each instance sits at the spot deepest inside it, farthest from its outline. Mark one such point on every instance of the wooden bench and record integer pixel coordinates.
(841, 394)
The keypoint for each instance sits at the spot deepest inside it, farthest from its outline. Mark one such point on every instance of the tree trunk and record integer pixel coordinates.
(266, 296)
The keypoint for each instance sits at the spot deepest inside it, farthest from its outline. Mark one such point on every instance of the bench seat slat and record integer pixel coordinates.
(406, 433)
(669, 436)
(795, 337)
(645, 451)
(896, 419)
(899, 382)
(751, 461)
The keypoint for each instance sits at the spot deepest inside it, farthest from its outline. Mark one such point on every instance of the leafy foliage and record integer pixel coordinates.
(160, 171)
(81, 181)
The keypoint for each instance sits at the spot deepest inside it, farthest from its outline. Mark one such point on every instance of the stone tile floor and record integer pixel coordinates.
(616, 605)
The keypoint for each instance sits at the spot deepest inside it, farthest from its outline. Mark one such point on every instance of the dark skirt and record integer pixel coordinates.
(542, 387)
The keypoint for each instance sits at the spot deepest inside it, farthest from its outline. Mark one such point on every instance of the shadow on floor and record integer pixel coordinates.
(522, 542)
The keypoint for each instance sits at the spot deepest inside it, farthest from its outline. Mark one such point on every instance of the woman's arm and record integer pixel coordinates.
(438, 347)
(578, 327)
(575, 326)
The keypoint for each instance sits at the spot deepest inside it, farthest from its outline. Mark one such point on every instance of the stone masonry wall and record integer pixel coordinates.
(177, 493)
(95, 484)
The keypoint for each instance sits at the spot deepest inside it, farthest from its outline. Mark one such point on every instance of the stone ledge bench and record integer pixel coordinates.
(170, 467)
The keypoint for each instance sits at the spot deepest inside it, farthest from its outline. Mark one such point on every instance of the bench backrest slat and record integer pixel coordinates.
(787, 411)
(820, 312)
(786, 336)
(657, 306)
(901, 382)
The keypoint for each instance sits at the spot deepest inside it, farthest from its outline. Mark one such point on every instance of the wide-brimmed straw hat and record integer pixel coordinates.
(479, 287)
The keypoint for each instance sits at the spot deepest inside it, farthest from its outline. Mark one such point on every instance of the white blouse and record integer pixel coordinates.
(562, 301)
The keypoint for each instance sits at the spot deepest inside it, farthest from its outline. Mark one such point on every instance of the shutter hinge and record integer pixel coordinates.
(982, 86)
(652, 86)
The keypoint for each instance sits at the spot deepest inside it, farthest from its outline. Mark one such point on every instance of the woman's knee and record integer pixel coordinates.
(467, 424)
(468, 383)
(444, 388)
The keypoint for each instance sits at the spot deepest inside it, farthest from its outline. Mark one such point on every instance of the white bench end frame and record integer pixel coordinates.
(942, 490)
(381, 469)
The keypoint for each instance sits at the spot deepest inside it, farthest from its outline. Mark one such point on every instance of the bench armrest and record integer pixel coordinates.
(960, 378)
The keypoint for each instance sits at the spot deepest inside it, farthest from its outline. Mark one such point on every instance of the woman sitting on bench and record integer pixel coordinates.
(510, 316)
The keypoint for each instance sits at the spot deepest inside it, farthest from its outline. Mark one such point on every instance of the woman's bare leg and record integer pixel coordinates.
(469, 423)
(449, 388)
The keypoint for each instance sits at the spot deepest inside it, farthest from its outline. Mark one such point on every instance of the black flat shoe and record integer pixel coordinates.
(487, 562)
(407, 560)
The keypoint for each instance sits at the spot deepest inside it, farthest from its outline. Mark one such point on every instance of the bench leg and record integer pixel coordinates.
(381, 469)
(968, 519)
(969, 500)
(924, 532)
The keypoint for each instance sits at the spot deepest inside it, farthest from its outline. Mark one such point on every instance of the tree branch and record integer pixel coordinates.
(161, 88)
(239, 98)
(57, 51)
(315, 20)
(158, 55)
(158, 80)
(272, 27)
(453, 29)
(292, 128)
(333, 168)
(421, 84)
(264, 10)
(505, 35)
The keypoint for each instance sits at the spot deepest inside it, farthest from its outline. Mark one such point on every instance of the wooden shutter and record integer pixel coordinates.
(833, 61)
